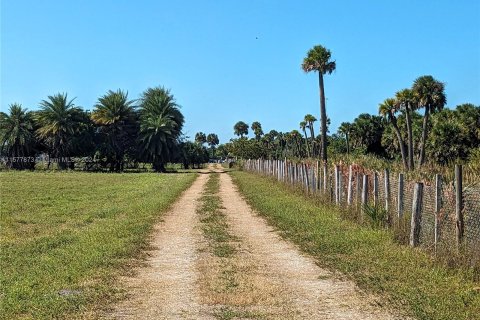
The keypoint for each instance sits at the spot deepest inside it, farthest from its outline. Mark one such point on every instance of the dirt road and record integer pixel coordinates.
(268, 277)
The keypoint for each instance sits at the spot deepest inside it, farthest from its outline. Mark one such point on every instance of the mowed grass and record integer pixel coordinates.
(405, 278)
(65, 237)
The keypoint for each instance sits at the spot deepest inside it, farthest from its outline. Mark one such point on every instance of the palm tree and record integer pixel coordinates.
(161, 124)
(388, 109)
(303, 127)
(59, 121)
(257, 130)
(114, 113)
(405, 101)
(345, 128)
(200, 138)
(429, 94)
(240, 129)
(212, 140)
(318, 59)
(17, 137)
(309, 119)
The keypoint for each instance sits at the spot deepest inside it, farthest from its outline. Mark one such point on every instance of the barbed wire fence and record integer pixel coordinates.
(436, 214)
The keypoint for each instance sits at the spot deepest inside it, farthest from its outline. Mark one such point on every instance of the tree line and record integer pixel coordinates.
(398, 132)
(118, 131)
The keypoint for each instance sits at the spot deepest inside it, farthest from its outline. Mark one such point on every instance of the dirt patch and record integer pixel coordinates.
(289, 284)
(166, 288)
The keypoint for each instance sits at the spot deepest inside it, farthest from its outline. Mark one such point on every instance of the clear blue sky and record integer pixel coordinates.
(238, 60)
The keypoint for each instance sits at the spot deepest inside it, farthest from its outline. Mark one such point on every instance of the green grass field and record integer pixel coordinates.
(405, 278)
(66, 236)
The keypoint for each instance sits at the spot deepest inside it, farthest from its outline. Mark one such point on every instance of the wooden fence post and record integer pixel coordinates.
(350, 186)
(459, 204)
(307, 184)
(438, 205)
(386, 179)
(358, 189)
(375, 189)
(364, 194)
(325, 177)
(319, 182)
(336, 184)
(416, 214)
(400, 196)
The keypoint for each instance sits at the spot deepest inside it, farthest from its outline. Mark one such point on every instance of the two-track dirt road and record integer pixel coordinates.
(273, 279)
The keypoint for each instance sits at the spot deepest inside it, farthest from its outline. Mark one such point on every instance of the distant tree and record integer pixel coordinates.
(430, 95)
(59, 122)
(303, 126)
(200, 138)
(318, 60)
(387, 109)
(309, 119)
(344, 129)
(161, 124)
(257, 130)
(240, 129)
(212, 140)
(17, 137)
(366, 133)
(116, 120)
(405, 101)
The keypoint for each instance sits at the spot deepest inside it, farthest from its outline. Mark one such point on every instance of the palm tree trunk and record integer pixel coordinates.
(421, 158)
(312, 137)
(348, 143)
(306, 143)
(408, 119)
(400, 141)
(323, 118)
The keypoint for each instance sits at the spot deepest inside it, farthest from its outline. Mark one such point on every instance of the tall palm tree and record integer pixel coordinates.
(17, 137)
(405, 100)
(59, 121)
(429, 94)
(345, 128)
(212, 140)
(200, 138)
(309, 119)
(387, 109)
(318, 60)
(114, 114)
(240, 129)
(303, 127)
(257, 130)
(161, 124)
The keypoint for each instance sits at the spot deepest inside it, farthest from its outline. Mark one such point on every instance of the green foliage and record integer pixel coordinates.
(63, 245)
(240, 129)
(161, 124)
(17, 137)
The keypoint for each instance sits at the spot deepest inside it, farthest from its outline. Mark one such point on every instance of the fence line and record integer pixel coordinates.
(440, 214)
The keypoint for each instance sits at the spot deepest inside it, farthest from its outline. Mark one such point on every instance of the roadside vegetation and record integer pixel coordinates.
(370, 256)
(66, 236)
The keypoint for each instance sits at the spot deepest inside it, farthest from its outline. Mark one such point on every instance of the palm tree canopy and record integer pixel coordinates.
(388, 108)
(16, 131)
(161, 124)
(318, 59)
(310, 119)
(429, 93)
(200, 138)
(113, 108)
(240, 128)
(212, 139)
(404, 98)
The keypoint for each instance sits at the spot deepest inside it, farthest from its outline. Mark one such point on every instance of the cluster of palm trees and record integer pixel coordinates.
(118, 131)
(427, 93)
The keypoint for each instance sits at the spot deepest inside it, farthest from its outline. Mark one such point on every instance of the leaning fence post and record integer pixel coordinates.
(438, 204)
(375, 189)
(400, 196)
(307, 184)
(416, 214)
(364, 193)
(350, 186)
(459, 204)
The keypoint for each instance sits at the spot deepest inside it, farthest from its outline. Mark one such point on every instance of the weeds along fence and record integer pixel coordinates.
(432, 213)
